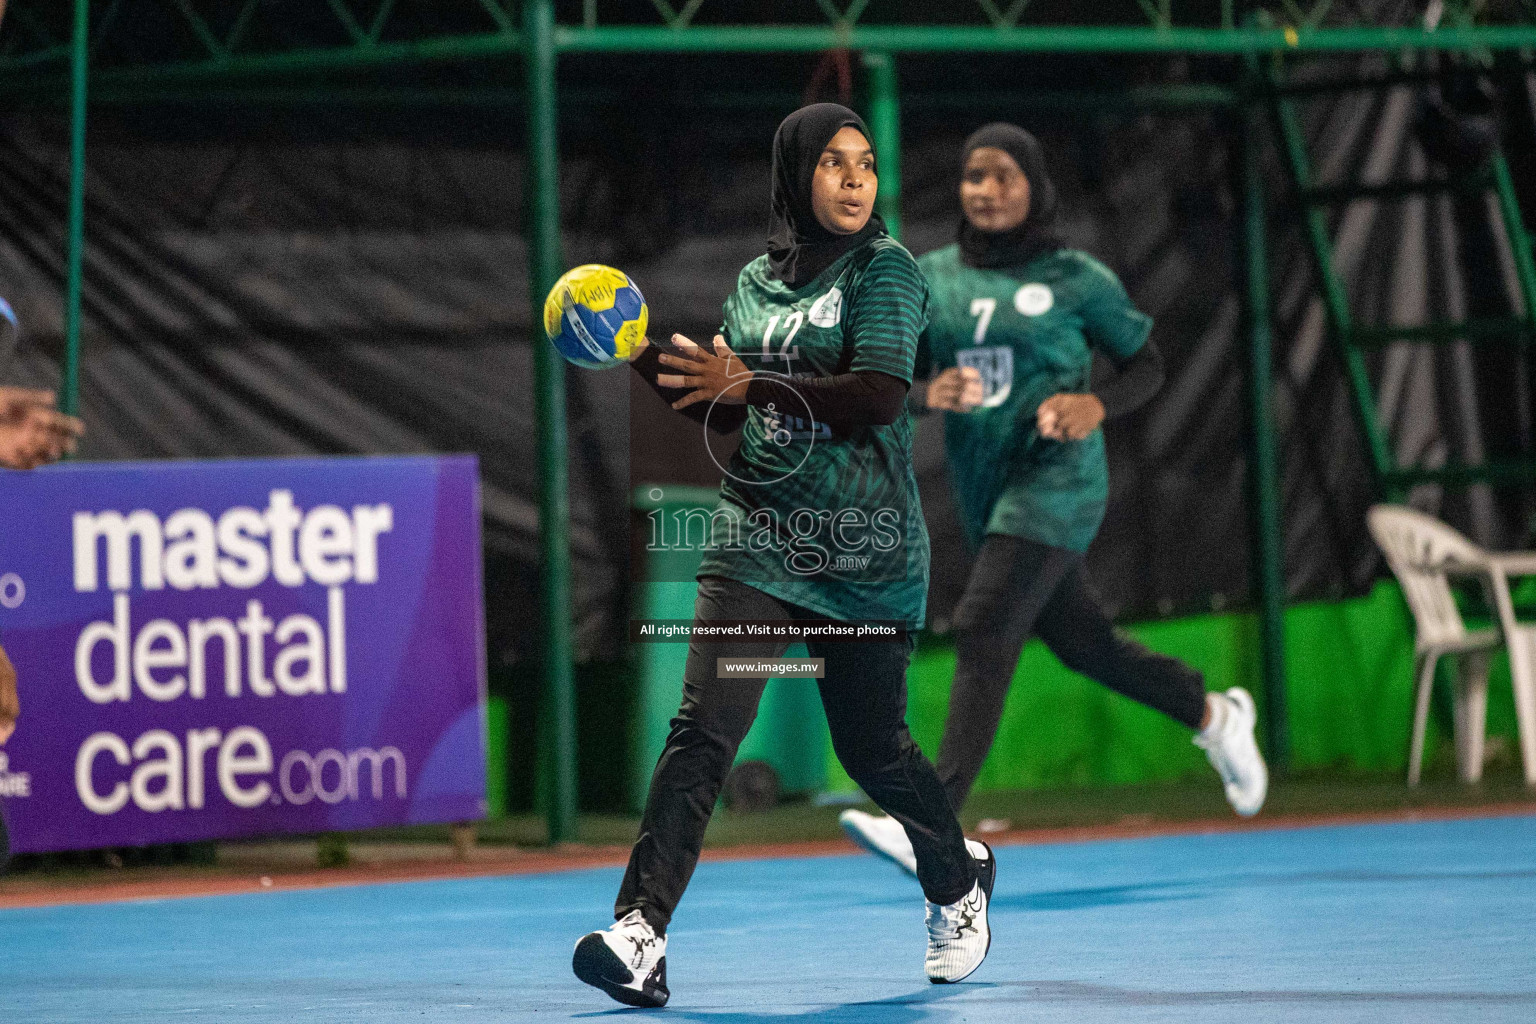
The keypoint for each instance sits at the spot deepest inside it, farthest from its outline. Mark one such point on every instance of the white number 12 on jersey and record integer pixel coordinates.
(793, 325)
(983, 308)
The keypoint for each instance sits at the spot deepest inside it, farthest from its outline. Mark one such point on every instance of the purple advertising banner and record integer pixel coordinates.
(220, 649)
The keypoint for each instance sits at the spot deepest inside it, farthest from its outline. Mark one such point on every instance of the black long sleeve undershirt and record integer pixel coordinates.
(1131, 386)
(1133, 383)
(844, 401)
(722, 419)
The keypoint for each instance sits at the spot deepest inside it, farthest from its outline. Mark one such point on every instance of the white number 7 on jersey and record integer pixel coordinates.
(983, 308)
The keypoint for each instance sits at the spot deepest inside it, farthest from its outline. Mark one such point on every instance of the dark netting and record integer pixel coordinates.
(320, 280)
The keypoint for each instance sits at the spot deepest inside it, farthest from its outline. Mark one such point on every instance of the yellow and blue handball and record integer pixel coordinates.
(595, 316)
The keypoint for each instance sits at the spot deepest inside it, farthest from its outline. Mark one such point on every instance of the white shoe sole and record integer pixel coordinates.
(599, 966)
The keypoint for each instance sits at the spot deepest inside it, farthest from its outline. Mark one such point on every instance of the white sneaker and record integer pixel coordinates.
(628, 961)
(1228, 742)
(883, 836)
(959, 935)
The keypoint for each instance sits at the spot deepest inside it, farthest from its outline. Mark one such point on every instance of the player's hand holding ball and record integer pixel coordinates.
(957, 389)
(1067, 417)
(716, 376)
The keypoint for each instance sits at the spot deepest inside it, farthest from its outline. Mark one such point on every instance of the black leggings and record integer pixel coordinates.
(1020, 587)
(864, 694)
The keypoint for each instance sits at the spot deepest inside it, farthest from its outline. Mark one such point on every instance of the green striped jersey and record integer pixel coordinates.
(831, 523)
(1031, 332)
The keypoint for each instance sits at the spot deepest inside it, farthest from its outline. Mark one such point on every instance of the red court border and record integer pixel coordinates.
(49, 891)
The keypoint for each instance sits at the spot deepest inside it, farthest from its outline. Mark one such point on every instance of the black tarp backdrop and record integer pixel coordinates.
(315, 279)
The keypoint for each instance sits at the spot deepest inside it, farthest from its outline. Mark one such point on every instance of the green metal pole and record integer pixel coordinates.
(19, 77)
(1335, 301)
(1519, 238)
(543, 192)
(1140, 99)
(79, 61)
(1264, 477)
(885, 123)
(1032, 39)
(302, 62)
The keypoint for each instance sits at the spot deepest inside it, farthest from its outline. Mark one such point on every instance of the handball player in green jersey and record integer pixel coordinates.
(1015, 317)
(818, 522)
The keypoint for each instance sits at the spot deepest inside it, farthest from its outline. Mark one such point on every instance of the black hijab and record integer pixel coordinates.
(1036, 236)
(799, 248)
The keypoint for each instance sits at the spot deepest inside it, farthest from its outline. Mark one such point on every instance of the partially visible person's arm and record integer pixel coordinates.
(1133, 383)
(1072, 417)
(957, 389)
(954, 389)
(32, 431)
(842, 401)
(10, 707)
(1114, 326)
(922, 369)
(718, 416)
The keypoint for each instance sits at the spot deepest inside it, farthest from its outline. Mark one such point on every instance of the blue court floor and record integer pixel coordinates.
(1399, 923)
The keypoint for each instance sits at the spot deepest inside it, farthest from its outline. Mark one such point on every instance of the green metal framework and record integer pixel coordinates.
(131, 51)
(224, 41)
(1268, 552)
(1352, 341)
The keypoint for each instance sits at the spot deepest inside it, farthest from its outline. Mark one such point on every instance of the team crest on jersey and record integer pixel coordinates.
(995, 364)
(1033, 299)
(827, 310)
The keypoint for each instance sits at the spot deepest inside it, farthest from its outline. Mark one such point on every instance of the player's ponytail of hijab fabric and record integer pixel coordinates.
(1036, 236)
(799, 248)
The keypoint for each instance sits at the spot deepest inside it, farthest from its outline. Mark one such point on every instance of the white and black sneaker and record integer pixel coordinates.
(1229, 742)
(883, 836)
(627, 961)
(958, 934)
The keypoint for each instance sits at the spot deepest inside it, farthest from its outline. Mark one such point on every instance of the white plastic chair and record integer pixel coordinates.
(1423, 552)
